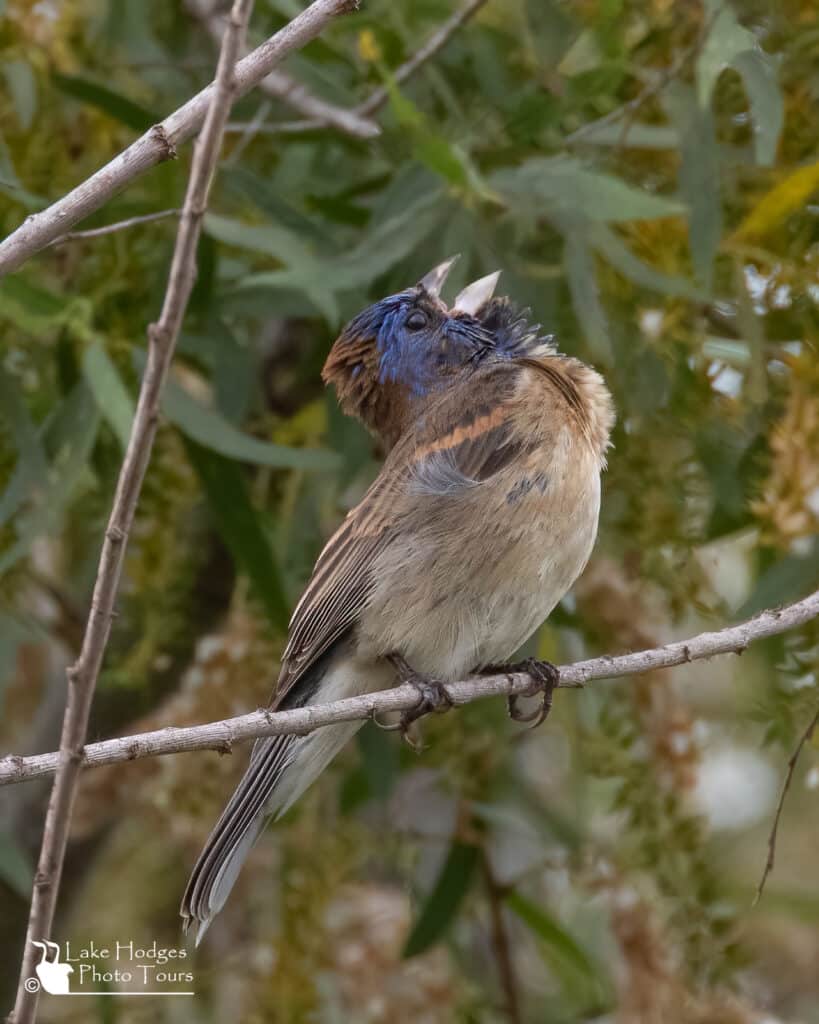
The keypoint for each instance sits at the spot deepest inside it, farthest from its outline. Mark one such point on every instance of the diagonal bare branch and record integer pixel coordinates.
(223, 735)
(160, 142)
(282, 86)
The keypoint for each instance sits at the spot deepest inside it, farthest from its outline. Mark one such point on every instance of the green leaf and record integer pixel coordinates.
(304, 269)
(443, 901)
(30, 306)
(699, 178)
(16, 870)
(554, 936)
(239, 526)
(726, 40)
(378, 251)
(259, 191)
(444, 158)
(70, 434)
(578, 260)
(786, 580)
(730, 44)
(109, 392)
(210, 429)
(109, 102)
(390, 241)
(563, 185)
(31, 468)
(637, 135)
(760, 75)
(10, 184)
(22, 86)
(607, 244)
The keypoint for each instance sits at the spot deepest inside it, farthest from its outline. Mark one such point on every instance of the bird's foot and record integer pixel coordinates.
(432, 697)
(545, 677)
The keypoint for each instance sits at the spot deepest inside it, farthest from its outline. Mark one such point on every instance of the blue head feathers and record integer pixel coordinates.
(398, 351)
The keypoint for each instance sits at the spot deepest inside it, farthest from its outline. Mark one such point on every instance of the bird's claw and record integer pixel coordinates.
(545, 677)
(432, 697)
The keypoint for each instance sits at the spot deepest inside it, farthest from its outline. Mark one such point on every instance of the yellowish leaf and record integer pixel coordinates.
(784, 199)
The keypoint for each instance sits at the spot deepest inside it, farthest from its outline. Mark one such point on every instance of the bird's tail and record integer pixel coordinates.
(281, 768)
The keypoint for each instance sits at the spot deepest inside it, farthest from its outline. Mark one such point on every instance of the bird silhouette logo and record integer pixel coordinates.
(52, 975)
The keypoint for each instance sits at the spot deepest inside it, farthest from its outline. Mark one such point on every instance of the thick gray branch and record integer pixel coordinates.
(159, 143)
(222, 735)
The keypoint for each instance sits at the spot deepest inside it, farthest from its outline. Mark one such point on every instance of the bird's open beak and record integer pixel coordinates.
(476, 295)
(433, 282)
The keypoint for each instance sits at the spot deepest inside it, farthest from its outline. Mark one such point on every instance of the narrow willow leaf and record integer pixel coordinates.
(240, 528)
(445, 898)
(726, 40)
(578, 259)
(567, 958)
(210, 429)
(22, 86)
(70, 436)
(730, 44)
(31, 306)
(260, 192)
(699, 177)
(550, 931)
(782, 201)
(564, 186)
(109, 392)
(787, 580)
(608, 245)
(109, 102)
(391, 240)
(760, 74)
(31, 468)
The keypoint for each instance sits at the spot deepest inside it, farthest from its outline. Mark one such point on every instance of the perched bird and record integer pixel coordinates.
(483, 515)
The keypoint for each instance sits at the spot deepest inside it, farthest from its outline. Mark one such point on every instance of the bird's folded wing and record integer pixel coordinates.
(459, 445)
(340, 584)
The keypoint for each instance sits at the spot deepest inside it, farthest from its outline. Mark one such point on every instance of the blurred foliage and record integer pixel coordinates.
(645, 175)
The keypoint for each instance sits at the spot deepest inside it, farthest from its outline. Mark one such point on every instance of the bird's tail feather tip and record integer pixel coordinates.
(201, 925)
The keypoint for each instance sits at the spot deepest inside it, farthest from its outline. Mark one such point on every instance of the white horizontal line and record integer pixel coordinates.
(97, 993)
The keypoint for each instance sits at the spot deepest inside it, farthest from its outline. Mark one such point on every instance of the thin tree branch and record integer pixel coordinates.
(282, 86)
(82, 676)
(628, 111)
(224, 734)
(501, 947)
(120, 225)
(377, 99)
(160, 142)
(437, 41)
(786, 785)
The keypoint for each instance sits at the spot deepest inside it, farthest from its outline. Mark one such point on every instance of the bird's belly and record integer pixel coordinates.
(453, 601)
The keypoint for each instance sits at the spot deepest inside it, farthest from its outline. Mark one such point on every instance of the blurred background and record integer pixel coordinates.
(644, 173)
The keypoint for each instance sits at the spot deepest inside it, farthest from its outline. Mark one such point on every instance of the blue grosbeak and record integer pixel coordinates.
(483, 515)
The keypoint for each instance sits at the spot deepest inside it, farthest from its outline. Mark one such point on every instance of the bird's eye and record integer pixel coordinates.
(417, 320)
